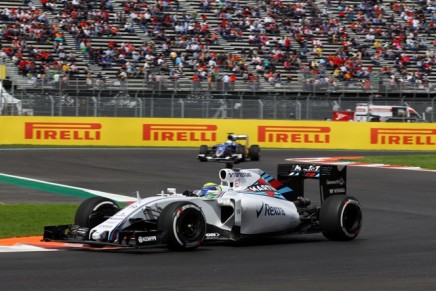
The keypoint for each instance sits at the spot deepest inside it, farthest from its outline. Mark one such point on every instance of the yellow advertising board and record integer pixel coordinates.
(186, 132)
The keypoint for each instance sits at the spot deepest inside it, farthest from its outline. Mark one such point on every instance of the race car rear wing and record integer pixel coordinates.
(240, 136)
(332, 180)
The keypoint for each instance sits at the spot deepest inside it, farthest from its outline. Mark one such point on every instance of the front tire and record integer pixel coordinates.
(93, 211)
(340, 218)
(184, 225)
(203, 151)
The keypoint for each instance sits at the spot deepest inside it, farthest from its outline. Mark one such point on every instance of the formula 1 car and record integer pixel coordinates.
(230, 150)
(247, 203)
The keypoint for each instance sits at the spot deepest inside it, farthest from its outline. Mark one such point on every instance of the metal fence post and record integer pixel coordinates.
(275, 106)
(172, 104)
(77, 105)
(298, 110)
(308, 107)
(98, 103)
(432, 109)
(261, 106)
(205, 109)
(95, 105)
(52, 104)
(139, 100)
(240, 104)
(182, 108)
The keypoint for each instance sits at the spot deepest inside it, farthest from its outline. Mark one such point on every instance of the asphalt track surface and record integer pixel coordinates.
(396, 249)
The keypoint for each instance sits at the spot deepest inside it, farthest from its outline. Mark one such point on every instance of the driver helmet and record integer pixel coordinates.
(230, 139)
(210, 190)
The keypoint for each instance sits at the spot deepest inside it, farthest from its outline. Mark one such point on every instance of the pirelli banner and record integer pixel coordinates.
(178, 132)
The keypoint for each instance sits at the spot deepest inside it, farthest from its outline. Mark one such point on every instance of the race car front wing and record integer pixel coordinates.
(71, 233)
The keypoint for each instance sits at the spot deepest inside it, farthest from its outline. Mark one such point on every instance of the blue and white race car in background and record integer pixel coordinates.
(247, 204)
(231, 150)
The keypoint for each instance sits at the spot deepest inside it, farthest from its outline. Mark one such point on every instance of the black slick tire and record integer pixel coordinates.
(184, 225)
(94, 211)
(340, 218)
(254, 152)
(203, 151)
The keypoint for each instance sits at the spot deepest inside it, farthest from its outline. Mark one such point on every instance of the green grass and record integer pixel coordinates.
(423, 161)
(29, 219)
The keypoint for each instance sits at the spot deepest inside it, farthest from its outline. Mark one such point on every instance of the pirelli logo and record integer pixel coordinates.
(62, 131)
(179, 132)
(294, 134)
(403, 136)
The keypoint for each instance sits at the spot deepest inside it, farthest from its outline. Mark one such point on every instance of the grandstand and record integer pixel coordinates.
(227, 48)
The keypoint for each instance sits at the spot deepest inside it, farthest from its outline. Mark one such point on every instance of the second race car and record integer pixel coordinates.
(232, 150)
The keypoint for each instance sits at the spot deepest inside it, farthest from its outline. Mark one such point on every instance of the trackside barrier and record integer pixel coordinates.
(188, 132)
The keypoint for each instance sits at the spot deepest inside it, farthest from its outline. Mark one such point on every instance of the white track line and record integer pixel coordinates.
(19, 248)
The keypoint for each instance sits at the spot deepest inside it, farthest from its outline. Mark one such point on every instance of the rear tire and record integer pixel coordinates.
(94, 211)
(340, 218)
(254, 152)
(184, 225)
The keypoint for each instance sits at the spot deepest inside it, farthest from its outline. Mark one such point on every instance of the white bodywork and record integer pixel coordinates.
(7, 99)
(256, 207)
(364, 112)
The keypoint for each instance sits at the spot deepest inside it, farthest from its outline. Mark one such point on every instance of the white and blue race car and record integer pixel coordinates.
(235, 149)
(245, 204)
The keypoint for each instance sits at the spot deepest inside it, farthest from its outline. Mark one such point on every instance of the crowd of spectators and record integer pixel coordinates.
(324, 41)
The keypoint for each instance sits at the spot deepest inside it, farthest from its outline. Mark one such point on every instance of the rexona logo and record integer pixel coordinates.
(62, 131)
(179, 132)
(270, 210)
(403, 136)
(294, 134)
